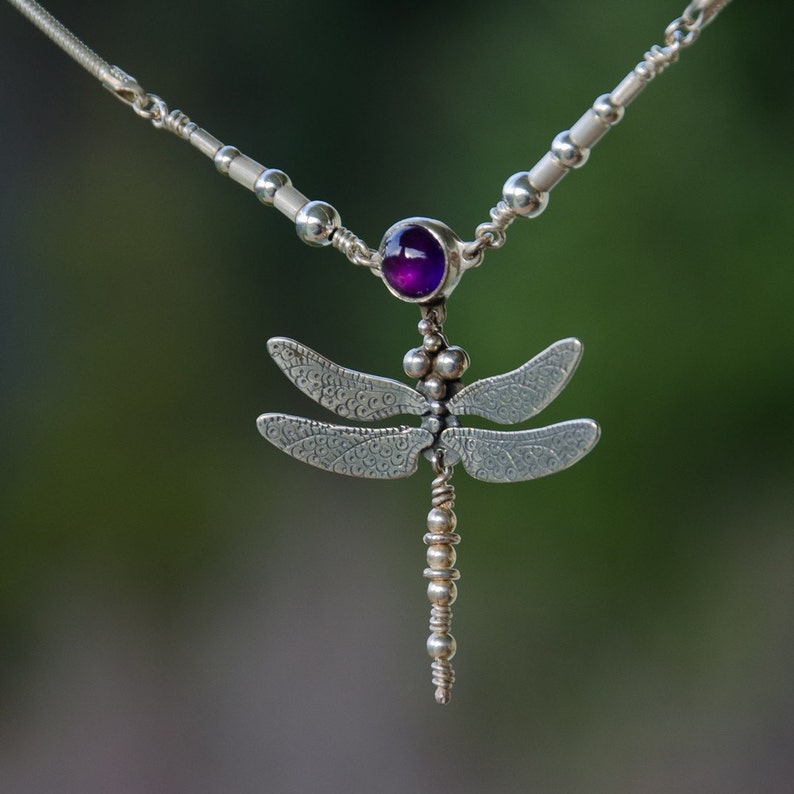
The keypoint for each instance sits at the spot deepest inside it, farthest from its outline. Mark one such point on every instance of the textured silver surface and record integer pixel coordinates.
(350, 394)
(520, 394)
(376, 453)
(385, 453)
(498, 456)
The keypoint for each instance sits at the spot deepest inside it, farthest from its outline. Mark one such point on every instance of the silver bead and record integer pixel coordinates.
(416, 363)
(608, 111)
(441, 646)
(441, 520)
(441, 556)
(442, 592)
(567, 152)
(426, 327)
(437, 408)
(451, 363)
(268, 183)
(434, 387)
(223, 158)
(433, 342)
(522, 197)
(432, 424)
(316, 222)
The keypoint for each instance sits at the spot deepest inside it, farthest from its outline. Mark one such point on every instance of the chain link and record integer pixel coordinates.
(684, 30)
(489, 235)
(355, 249)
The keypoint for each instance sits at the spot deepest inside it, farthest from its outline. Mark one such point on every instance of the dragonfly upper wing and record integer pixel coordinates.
(498, 456)
(350, 394)
(377, 453)
(518, 395)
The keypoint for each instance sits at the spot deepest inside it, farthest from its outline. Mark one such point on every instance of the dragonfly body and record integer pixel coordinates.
(389, 453)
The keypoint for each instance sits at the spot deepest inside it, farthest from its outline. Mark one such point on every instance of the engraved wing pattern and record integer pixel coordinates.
(514, 456)
(520, 394)
(349, 394)
(376, 453)
(392, 452)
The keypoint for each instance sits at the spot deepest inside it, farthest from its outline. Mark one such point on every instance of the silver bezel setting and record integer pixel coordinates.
(451, 245)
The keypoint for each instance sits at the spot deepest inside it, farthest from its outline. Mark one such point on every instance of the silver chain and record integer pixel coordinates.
(525, 194)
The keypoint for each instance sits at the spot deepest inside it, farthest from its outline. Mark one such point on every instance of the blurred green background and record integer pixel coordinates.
(182, 608)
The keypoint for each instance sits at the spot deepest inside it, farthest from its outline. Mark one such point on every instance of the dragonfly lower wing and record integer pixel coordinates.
(513, 456)
(376, 453)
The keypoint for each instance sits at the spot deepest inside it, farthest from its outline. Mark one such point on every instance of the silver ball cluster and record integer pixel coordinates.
(436, 365)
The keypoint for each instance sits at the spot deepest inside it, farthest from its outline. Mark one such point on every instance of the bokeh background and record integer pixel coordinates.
(183, 609)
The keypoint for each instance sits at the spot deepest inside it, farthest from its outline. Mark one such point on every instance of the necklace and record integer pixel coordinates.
(420, 261)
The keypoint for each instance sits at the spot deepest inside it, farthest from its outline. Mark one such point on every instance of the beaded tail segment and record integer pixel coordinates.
(420, 261)
(442, 591)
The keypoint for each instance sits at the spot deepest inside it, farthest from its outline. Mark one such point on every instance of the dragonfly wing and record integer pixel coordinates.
(350, 394)
(499, 456)
(518, 395)
(377, 453)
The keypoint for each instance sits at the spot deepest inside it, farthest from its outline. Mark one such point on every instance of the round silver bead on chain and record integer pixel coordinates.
(269, 182)
(224, 157)
(523, 197)
(607, 111)
(316, 222)
(526, 193)
(568, 153)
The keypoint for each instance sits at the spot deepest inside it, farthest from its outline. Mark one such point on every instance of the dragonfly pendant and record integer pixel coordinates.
(439, 398)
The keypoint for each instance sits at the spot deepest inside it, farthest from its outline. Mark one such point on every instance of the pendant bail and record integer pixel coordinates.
(435, 313)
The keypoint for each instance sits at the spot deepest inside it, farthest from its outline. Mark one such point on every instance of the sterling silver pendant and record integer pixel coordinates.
(421, 261)
(439, 399)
